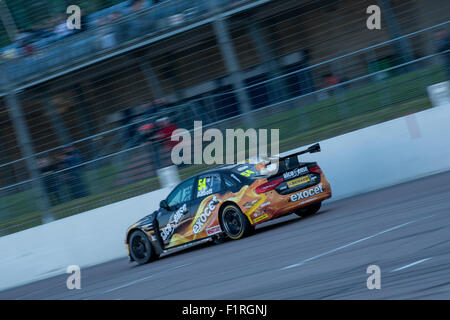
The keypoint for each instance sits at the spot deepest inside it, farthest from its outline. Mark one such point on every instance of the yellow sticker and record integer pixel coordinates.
(298, 181)
(247, 173)
(201, 184)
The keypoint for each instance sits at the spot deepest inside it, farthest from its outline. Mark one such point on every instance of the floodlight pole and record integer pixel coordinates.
(231, 63)
(8, 21)
(23, 139)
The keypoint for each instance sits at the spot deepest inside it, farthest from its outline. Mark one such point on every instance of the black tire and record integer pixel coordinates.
(220, 238)
(141, 249)
(235, 224)
(309, 210)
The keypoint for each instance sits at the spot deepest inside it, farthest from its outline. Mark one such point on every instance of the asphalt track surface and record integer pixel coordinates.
(405, 230)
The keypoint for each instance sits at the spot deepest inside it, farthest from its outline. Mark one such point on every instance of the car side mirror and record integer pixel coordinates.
(163, 204)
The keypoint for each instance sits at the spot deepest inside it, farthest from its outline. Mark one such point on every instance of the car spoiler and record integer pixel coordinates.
(312, 149)
(270, 161)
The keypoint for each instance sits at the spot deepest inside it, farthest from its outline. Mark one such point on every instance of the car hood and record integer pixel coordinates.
(145, 221)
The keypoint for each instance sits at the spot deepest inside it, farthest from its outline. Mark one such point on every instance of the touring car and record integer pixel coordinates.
(228, 202)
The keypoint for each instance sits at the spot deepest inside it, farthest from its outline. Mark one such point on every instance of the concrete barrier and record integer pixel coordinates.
(85, 239)
(371, 158)
(386, 154)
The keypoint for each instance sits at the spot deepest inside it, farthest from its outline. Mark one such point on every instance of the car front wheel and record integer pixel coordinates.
(140, 247)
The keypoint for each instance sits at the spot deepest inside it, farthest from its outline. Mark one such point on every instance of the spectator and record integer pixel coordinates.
(38, 32)
(118, 28)
(48, 27)
(443, 45)
(305, 76)
(23, 40)
(61, 29)
(146, 132)
(73, 176)
(28, 49)
(10, 54)
(330, 80)
(127, 117)
(149, 109)
(160, 103)
(22, 35)
(106, 33)
(134, 26)
(47, 167)
(164, 131)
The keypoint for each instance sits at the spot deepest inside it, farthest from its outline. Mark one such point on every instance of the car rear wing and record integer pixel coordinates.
(312, 149)
(277, 165)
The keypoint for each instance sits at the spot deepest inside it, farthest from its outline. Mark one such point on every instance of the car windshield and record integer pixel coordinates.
(181, 193)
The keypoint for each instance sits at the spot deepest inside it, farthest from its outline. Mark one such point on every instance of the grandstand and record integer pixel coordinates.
(310, 68)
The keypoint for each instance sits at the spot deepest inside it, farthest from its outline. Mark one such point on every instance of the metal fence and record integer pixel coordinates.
(98, 134)
(120, 32)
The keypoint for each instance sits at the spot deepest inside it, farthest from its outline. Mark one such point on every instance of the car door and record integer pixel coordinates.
(174, 220)
(206, 202)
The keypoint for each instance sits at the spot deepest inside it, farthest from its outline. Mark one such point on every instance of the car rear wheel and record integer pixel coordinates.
(140, 247)
(235, 223)
(309, 210)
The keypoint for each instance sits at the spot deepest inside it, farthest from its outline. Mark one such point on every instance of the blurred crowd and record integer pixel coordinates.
(28, 41)
(62, 175)
(146, 129)
(443, 47)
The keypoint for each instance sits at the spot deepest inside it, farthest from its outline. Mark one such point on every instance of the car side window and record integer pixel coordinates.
(181, 194)
(208, 184)
(236, 178)
(228, 182)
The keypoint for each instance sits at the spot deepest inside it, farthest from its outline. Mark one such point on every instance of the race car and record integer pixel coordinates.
(227, 203)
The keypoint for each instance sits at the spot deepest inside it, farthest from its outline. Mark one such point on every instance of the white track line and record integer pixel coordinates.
(354, 242)
(143, 279)
(411, 264)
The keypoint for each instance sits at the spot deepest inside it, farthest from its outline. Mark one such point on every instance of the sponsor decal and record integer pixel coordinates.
(203, 190)
(250, 204)
(209, 208)
(176, 217)
(295, 173)
(213, 230)
(307, 193)
(298, 181)
(257, 214)
(242, 168)
(264, 216)
(264, 204)
(247, 173)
